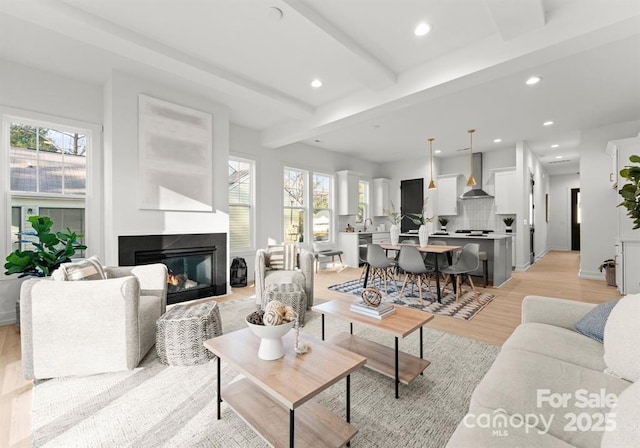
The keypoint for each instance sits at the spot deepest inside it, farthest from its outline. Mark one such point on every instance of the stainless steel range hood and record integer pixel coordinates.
(476, 191)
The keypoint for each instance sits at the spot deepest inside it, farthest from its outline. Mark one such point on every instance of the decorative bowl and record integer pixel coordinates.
(271, 346)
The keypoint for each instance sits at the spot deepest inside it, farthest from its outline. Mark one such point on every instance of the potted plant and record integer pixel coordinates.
(443, 223)
(395, 218)
(507, 222)
(51, 250)
(422, 220)
(631, 192)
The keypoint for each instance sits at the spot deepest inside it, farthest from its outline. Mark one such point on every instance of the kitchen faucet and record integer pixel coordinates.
(365, 223)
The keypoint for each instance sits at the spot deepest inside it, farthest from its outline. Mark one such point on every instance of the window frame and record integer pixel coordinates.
(330, 208)
(93, 197)
(251, 206)
(366, 205)
(304, 207)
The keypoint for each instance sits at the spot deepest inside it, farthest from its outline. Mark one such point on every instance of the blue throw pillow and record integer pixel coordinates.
(592, 324)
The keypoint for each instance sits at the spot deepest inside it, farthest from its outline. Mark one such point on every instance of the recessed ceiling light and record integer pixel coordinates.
(559, 157)
(555, 145)
(498, 140)
(317, 141)
(316, 83)
(547, 123)
(437, 151)
(274, 13)
(422, 29)
(533, 80)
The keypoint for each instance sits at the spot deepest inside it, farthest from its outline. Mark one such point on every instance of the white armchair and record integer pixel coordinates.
(76, 328)
(265, 276)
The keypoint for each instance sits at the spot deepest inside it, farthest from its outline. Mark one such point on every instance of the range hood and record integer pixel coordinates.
(476, 191)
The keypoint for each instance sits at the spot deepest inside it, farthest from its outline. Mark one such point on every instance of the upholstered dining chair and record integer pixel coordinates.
(412, 263)
(467, 262)
(78, 328)
(381, 267)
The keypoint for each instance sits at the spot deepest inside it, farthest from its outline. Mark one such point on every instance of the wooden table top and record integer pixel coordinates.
(431, 248)
(401, 323)
(292, 379)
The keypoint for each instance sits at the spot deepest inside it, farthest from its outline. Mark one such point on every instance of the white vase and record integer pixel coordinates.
(394, 233)
(423, 235)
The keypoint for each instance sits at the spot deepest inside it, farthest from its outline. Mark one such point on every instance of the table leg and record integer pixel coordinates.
(397, 374)
(421, 350)
(351, 327)
(322, 318)
(349, 403)
(437, 271)
(219, 397)
(291, 427)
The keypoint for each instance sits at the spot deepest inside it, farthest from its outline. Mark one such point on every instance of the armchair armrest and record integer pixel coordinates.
(79, 328)
(152, 279)
(549, 310)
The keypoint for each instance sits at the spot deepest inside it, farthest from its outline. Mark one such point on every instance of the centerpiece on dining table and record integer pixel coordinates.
(421, 219)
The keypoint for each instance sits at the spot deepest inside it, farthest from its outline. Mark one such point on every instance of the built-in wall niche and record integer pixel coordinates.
(174, 157)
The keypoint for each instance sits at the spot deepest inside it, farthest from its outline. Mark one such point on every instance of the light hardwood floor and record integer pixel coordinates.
(555, 275)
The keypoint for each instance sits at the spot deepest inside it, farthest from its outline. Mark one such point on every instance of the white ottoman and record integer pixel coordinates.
(289, 294)
(181, 331)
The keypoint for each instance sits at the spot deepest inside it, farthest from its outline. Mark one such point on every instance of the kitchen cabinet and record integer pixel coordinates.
(381, 204)
(354, 245)
(505, 191)
(627, 266)
(347, 192)
(450, 187)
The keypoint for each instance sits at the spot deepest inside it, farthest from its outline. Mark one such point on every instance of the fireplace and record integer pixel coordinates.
(197, 263)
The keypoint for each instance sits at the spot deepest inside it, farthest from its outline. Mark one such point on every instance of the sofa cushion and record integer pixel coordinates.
(627, 431)
(622, 339)
(282, 276)
(483, 427)
(521, 382)
(558, 343)
(592, 324)
(89, 269)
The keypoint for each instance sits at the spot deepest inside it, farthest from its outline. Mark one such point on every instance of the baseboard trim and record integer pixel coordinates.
(591, 275)
(8, 318)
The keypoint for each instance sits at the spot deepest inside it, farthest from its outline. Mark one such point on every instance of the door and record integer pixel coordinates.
(575, 219)
(411, 197)
(532, 227)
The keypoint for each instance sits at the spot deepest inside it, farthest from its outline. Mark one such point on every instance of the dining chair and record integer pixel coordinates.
(382, 268)
(467, 262)
(411, 262)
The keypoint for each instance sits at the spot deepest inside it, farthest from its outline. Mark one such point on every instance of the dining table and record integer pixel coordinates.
(430, 249)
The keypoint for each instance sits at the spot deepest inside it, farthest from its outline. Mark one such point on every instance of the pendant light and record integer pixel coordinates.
(432, 184)
(472, 180)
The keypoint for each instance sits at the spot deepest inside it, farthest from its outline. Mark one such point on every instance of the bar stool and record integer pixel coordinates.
(484, 257)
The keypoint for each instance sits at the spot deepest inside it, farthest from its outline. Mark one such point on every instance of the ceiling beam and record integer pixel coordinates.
(73, 22)
(373, 73)
(516, 17)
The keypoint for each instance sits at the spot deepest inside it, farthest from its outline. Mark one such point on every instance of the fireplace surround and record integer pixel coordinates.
(197, 263)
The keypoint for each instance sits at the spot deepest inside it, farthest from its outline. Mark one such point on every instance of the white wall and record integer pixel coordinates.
(122, 215)
(599, 200)
(560, 210)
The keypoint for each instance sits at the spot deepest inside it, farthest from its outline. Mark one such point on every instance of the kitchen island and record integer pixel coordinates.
(497, 246)
(354, 245)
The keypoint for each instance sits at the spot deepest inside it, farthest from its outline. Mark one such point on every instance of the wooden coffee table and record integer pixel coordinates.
(395, 364)
(273, 387)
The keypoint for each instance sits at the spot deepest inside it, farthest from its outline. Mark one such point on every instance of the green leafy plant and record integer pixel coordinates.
(443, 221)
(508, 221)
(421, 218)
(631, 192)
(51, 250)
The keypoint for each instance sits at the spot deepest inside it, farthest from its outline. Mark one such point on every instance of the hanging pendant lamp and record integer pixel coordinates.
(432, 184)
(472, 180)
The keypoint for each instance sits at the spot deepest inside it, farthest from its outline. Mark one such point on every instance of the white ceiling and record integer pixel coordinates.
(384, 90)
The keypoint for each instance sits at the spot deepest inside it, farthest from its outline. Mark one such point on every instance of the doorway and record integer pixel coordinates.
(532, 215)
(411, 197)
(575, 219)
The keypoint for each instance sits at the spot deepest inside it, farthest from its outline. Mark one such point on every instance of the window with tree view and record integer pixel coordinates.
(363, 201)
(322, 185)
(240, 203)
(294, 204)
(48, 175)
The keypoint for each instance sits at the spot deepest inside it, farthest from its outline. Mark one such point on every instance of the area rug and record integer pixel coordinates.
(465, 308)
(164, 406)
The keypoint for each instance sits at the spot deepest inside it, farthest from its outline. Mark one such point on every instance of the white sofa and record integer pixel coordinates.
(545, 374)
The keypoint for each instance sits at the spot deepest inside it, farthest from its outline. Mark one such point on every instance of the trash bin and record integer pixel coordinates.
(609, 267)
(238, 275)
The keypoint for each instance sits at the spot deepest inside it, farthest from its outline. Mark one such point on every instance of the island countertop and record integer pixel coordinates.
(486, 236)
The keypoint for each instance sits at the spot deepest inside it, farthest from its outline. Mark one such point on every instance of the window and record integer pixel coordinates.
(363, 201)
(294, 204)
(322, 207)
(307, 207)
(48, 176)
(241, 203)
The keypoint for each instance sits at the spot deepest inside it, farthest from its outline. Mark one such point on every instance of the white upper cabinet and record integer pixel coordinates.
(450, 187)
(505, 192)
(381, 204)
(347, 192)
